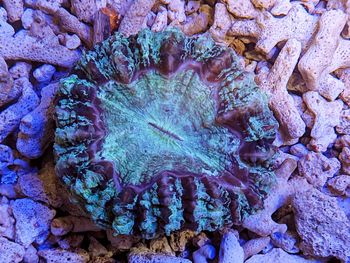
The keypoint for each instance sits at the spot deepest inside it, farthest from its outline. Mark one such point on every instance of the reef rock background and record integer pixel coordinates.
(300, 54)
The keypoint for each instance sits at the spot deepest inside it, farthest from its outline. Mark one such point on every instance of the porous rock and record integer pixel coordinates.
(340, 185)
(322, 225)
(60, 255)
(37, 127)
(317, 168)
(344, 122)
(203, 254)
(328, 52)
(134, 18)
(222, 23)
(241, 8)
(274, 82)
(344, 158)
(270, 30)
(14, 9)
(254, 246)
(155, 258)
(10, 252)
(230, 249)
(326, 116)
(11, 116)
(32, 221)
(279, 255)
(261, 222)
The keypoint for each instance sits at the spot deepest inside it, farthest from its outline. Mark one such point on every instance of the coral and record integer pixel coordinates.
(278, 255)
(315, 66)
(59, 255)
(317, 168)
(326, 116)
(134, 19)
(269, 30)
(230, 249)
(322, 225)
(275, 82)
(162, 132)
(37, 127)
(10, 252)
(32, 221)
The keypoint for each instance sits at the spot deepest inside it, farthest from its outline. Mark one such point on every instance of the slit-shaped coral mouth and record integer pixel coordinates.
(160, 132)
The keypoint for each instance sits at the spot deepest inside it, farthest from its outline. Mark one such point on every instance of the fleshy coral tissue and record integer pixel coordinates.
(159, 132)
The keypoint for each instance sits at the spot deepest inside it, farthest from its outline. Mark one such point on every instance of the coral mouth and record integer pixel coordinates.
(160, 132)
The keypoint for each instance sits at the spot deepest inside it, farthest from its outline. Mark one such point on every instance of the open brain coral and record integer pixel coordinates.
(160, 132)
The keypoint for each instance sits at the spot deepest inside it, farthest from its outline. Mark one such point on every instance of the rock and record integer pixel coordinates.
(322, 225)
(205, 252)
(10, 252)
(60, 256)
(32, 221)
(230, 249)
(317, 168)
(340, 185)
(27, 18)
(279, 255)
(155, 258)
(44, 73)
(6, 219)
(286, 241)
(254, 246)
(30, 255)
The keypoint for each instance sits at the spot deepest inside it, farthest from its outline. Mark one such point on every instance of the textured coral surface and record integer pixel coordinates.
(160, 132)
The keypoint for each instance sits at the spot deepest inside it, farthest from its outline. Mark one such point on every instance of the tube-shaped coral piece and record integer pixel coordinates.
(275, 84)
(327, 53)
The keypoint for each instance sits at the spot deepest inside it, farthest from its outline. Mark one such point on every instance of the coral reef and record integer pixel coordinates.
(222, 141)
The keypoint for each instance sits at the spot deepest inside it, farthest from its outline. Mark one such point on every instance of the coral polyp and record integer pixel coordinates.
(160, 132)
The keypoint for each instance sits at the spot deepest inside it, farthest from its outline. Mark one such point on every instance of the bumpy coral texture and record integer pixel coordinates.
(159, 132)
